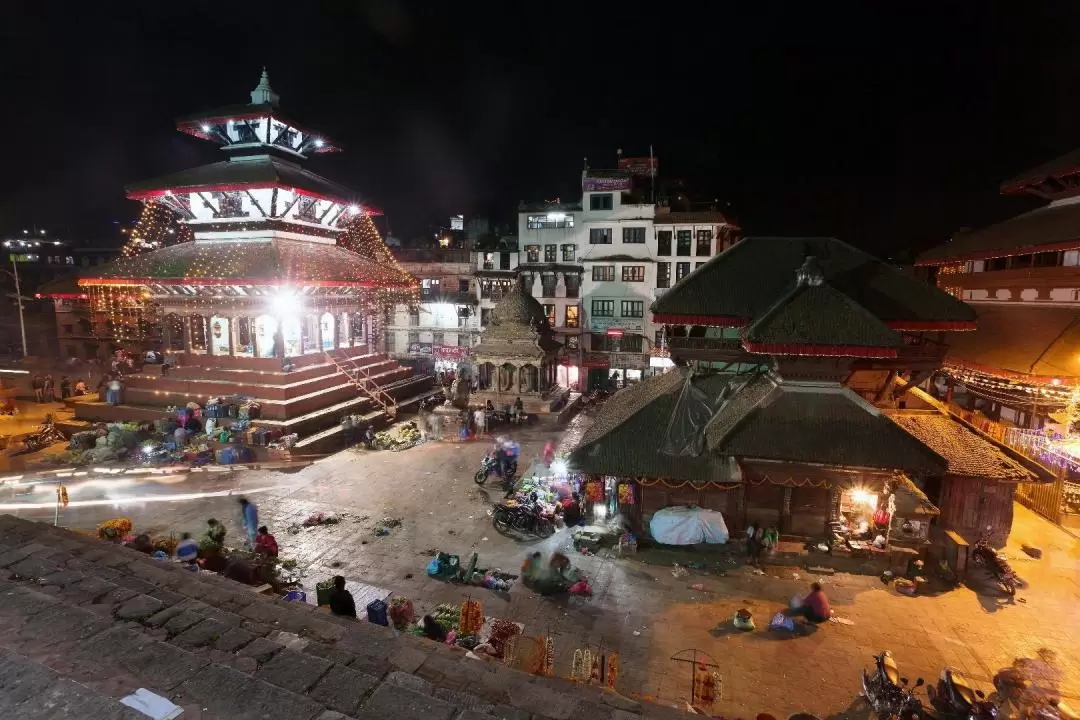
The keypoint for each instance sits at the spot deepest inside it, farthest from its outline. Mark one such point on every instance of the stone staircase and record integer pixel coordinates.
(84, 623)
(309, 400)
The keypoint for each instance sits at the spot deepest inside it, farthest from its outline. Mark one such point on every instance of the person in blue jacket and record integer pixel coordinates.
(250, 515)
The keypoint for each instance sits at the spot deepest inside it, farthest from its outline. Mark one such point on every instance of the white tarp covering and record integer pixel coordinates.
(688, 526)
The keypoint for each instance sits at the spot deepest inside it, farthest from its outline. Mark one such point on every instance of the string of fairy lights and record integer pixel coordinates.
(323, 280)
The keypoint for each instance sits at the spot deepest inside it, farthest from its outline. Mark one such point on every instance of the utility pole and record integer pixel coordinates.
(18, 296)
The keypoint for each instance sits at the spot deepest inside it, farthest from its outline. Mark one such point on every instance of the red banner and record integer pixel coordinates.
(451, 352)
(640, 166)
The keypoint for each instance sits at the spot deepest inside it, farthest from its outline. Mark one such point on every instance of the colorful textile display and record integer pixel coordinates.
(594, 491)
(626, 493)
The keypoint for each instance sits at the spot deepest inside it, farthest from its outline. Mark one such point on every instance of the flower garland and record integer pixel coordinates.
(581, 665)
(612, 670)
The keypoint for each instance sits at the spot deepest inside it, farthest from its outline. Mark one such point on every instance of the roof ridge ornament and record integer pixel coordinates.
(810, 274)
(263, 94)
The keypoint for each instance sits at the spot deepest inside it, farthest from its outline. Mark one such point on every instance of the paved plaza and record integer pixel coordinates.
(640, 611)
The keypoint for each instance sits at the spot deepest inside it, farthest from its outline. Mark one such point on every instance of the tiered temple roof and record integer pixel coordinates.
(810, 296)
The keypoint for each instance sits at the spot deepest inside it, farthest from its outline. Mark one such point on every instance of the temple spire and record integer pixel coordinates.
(263, 94)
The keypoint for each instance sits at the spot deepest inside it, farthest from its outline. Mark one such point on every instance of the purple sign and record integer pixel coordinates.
(605, 184)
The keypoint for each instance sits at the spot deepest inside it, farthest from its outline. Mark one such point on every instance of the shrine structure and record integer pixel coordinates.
(794, 408)
(516, 357)
(278, 296)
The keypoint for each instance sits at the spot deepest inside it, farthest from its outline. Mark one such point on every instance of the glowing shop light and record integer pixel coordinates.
(284, 301)
(204, 128)
(319, 142)
(556, 216)
(600, 511)
(558, 467)
(863, 497)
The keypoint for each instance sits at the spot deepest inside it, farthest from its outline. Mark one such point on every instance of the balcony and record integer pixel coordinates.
(452, 298)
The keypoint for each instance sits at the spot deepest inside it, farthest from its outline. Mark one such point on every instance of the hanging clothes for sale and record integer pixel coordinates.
(626, 493)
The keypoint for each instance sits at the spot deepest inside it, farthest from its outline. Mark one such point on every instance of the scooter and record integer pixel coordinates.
(953, 698)
(985, 556)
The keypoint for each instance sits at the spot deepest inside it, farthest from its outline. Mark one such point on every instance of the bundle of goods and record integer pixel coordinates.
(498, 580)
(84, 440)
(401, 612)
(114, 529)
(471, 617)
(744, 620)
(250, 410)
(503, 634)
(287, 441)
(235, 454)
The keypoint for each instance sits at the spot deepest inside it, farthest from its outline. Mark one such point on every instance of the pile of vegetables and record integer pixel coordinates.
(397, 438)
(447, 615)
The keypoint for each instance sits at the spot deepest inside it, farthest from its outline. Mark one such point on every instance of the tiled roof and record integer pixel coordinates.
(1067, 164)
(691, 218)
(1040, 341)
(626, 434)
(826, 423)
(759, 418)
(747, 280)
(1054, 227)
(227, 262)
(264, 171)
(820, 317)
(965, 451)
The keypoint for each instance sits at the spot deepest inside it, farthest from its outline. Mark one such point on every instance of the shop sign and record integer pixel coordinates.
(605, 184)
(451, 352)
(628, 360)
(603, 324)
(595, 360)
(419, 348)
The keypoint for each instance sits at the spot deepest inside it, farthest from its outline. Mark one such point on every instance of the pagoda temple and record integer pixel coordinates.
(794, 403)
(278, 295)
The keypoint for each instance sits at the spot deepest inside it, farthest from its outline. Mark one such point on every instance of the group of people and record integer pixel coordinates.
(210, 543)
(45, 388)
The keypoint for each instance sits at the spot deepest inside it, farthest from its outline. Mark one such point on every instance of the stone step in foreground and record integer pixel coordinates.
(84, 623)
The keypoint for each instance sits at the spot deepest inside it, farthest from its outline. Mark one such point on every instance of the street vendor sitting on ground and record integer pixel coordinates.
(815, 606)
(187, 550)
(214, 537)
(341, 600)
(265, 543)
(571, 512)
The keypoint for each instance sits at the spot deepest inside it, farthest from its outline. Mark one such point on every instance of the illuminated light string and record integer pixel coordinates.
(133, 314)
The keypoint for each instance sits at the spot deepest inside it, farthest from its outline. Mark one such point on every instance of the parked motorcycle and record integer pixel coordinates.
(525, 518)
(953, 698)
(887, 693)
(46, 435)
(995, 563)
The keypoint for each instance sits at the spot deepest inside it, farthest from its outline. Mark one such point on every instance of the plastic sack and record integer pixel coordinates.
(780, 621)
(433, 566)
(797, 602)
(744, 620)
(685, 432)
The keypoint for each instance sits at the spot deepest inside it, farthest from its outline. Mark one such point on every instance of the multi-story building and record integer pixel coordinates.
(438, 333)
(496, 271)
(549, 262)
(60, 325)
(1022, 276)
(598, 265)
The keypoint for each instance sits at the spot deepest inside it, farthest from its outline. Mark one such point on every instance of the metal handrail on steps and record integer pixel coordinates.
(361, 378)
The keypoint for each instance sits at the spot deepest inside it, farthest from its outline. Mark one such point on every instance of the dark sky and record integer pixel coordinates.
(888, 125)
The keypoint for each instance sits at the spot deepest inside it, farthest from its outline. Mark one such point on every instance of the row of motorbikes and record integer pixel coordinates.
(891, 696)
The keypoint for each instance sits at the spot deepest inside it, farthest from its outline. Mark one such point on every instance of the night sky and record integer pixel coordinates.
(888, 125)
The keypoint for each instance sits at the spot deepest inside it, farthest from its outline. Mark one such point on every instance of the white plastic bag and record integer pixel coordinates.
(797, 601)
